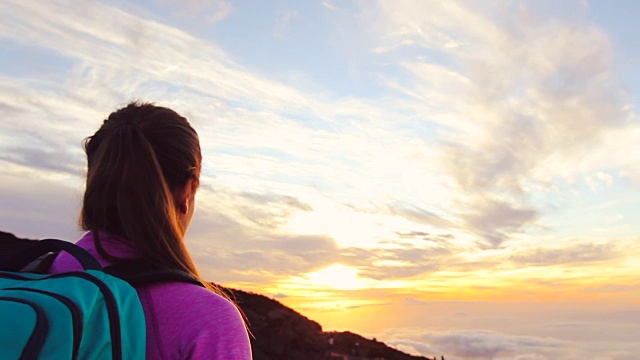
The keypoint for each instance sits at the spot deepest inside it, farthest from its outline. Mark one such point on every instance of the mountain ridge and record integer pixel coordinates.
(281, 333)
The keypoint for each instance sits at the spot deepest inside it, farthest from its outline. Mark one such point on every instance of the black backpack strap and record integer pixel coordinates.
(42, 264)
(139, 272)
(40, 249)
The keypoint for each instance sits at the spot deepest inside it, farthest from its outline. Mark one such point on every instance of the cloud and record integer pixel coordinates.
(612, 289)
(268, 210)
(582, 253)
(281, 29)
(112, 62)
(117, 55)
(243, 257)
(489, 344)
(495, 219)
(238, 237)
(235, 237)
(417, 214)
(270, 199)
(599, 179)
(37, 205)
(213, 11)
(329, 5)
(518, 101)
(43, 128)
(439, 239)
(42, 152)
(485, 344)
(398, 262)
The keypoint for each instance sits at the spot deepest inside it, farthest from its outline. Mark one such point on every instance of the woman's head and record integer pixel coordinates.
(143, 171)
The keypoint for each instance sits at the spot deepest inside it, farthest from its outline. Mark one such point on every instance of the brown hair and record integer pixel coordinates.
(141, 155)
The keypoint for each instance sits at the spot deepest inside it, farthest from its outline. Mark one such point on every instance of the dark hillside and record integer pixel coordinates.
(281, 333)
(10, 245)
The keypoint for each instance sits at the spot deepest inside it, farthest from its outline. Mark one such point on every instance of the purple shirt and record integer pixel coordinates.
(184, 321)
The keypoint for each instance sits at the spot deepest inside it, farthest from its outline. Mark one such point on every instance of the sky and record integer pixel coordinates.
(454, 178)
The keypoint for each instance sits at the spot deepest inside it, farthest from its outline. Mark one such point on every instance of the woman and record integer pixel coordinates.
(143, 173)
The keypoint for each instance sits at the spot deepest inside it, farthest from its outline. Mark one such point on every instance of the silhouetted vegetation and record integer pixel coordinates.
(281, 333)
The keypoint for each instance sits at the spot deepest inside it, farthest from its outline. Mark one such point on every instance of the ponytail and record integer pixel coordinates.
(137, 160)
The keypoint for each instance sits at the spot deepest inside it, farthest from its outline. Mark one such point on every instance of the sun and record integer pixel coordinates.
(337, 277)
(347, 227)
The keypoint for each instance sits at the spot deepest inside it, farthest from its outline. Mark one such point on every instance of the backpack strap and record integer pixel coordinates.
(38, 256)
(139, 272)
(40, 250)
(41, 265)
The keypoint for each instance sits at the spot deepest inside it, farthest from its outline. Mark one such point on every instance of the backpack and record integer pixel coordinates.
(89, 314)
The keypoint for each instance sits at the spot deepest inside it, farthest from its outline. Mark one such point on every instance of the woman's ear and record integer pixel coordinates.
(183, 197)
(184, 207)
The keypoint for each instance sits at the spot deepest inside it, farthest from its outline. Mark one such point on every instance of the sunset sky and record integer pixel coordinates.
(456, 178)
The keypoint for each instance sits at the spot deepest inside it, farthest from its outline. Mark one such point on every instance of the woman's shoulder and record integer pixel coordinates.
(193, 297)
(195, 320)
(182, 305)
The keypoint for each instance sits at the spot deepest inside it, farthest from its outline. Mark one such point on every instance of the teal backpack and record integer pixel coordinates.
(89, 314)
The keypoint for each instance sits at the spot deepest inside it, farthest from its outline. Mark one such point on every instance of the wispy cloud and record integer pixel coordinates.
(517, 102)
(281, 29)
(488, 345)
(485, 344)
(54, 210)
(583, 253)
(213, 11)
